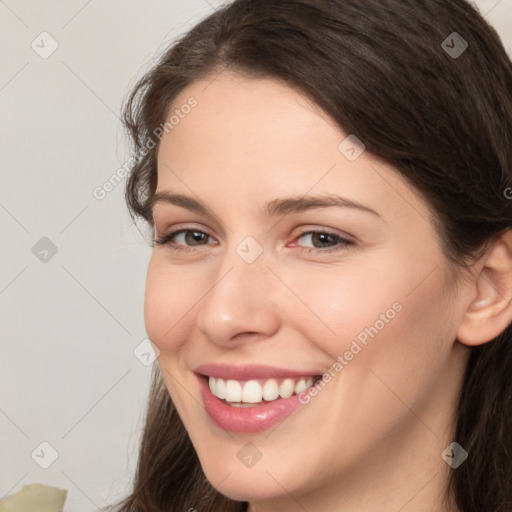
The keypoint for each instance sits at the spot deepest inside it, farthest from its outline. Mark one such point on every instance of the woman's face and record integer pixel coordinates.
(303, 257)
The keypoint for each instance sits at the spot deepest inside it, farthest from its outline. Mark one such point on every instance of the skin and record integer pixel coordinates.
(372, 438)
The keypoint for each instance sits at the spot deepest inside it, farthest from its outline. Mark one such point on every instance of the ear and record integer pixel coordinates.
(490, 310)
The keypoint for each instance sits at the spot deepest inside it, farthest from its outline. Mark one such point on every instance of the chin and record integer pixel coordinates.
(232, 478)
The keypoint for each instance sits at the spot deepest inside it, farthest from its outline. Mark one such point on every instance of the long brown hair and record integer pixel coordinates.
(393, 73)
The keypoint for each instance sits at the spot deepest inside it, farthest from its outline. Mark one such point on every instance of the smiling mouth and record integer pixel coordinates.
(256, 392)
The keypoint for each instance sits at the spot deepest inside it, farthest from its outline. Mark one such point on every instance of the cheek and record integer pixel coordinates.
(168, 303)
(334, 306)
(381, 313)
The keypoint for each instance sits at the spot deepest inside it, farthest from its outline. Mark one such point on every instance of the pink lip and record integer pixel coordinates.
(248, 372)
(246, 420)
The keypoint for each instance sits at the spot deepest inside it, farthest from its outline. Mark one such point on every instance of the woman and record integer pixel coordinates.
(330, 285)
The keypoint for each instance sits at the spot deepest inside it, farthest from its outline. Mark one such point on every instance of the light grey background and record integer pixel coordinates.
(69, 325)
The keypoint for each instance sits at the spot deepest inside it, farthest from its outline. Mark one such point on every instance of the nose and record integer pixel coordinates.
(241, 304)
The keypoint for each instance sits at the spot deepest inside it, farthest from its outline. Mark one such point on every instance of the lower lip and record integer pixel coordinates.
(246, 419)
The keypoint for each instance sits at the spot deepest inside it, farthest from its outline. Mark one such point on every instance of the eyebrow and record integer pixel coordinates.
(275, 207)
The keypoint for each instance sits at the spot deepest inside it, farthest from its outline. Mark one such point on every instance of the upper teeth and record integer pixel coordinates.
(254, 392)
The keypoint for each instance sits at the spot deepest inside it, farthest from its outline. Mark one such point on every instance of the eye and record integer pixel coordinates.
(183, 238)
(323, 241)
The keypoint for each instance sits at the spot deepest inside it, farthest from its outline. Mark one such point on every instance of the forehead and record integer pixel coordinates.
(248, 117)
(252, 139)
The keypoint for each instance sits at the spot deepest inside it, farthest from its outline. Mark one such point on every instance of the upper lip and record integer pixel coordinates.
(248, 372)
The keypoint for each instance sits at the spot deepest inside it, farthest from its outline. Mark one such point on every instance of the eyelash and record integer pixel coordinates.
(343, 243)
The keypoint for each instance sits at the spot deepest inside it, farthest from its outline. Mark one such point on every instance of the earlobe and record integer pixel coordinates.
(490, 310)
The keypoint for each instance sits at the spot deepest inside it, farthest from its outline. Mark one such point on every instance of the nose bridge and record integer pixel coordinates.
(239, 298)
